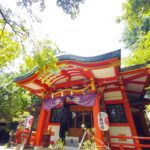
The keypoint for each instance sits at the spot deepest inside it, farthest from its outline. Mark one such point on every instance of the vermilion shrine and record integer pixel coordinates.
(86, 86)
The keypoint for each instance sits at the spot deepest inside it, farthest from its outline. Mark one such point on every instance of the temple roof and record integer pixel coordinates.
(136, 79)
(78, 72)
(73, 58)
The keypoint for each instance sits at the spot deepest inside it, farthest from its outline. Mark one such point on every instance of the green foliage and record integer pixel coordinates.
(12, 35)
(59, 144)
(148, 108)
(70, 7)
(89, 144)
(142, 52)
(20, 116)
(9, 47)
(43, 58)
(134, 11)
(136, 35)
(13, 99)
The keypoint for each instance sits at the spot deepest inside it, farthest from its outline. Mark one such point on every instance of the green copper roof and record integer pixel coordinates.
(114, 54)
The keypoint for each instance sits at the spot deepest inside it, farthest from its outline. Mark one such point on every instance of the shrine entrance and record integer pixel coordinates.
(76, 116)
(73, 96)
(79, 115)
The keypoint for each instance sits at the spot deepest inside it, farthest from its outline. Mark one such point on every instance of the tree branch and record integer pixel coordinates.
(3, 30)
(6, 21)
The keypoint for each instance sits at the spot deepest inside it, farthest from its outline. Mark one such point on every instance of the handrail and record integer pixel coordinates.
(123, 144)
(131, 137)
(80, 144)
(96, 139)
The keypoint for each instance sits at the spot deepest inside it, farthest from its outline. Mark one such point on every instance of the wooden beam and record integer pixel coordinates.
(70, 84)
(135, 76)
(145, 86)
(101, 64)
(105, 80)
(133, 71)
(137, 82)
(135, 92)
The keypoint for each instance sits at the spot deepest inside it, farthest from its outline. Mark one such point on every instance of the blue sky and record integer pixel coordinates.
(93, 32)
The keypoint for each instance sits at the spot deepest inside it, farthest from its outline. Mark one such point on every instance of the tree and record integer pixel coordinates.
(13, 21)
(9, 47)
(12, 35)
(141, 54)
(13, 99)
(136, 35)
(15, 102)
(70, 7)
(13, 31)
(43, 57)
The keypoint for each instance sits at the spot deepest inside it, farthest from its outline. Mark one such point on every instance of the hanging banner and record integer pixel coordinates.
(80, 99)
(52, 102)
(103, 121)
(84, 99)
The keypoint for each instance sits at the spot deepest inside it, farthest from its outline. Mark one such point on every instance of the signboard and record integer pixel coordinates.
(29, 121)
(103, 121)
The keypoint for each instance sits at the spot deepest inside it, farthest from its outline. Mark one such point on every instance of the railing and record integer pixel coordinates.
(136, 143)
(22, 136)
(101, 146)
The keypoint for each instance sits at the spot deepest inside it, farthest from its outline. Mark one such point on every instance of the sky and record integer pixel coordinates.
(93, 32)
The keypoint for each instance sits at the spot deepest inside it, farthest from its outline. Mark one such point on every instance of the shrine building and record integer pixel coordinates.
(82, 89)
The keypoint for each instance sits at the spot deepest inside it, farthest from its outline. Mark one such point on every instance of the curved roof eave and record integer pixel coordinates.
(102, 57)
(62, 57)
(135, 66)
(28, 74)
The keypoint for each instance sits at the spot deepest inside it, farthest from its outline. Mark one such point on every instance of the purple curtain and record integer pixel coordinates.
(80, 99)
(84, 99)
(52, 102)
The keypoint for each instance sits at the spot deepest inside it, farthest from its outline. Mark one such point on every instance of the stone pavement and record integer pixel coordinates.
(15, 148)
(4, 148)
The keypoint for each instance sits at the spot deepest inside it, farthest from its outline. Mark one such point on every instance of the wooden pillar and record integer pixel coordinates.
(130, 118)
(98, 132)
(40, 126)
(48, 118)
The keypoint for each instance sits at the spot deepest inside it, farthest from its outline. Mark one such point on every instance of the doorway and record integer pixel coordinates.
(79, 115)
(141, 126)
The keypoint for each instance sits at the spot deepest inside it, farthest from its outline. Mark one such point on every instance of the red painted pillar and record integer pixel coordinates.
(130, 118)
(96, 110)
(48, 119)
(40, 126)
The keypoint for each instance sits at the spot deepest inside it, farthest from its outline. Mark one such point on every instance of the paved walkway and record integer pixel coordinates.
(14, 148)
(4, 148)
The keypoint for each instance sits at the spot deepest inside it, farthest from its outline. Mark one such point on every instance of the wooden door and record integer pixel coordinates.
(79, 115)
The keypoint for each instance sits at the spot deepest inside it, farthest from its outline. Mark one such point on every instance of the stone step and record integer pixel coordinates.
(70, 148)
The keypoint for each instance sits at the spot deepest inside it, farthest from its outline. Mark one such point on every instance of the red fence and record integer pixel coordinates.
(137, 145)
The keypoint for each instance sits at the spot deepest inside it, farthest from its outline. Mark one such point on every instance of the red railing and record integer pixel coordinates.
(136, 142)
